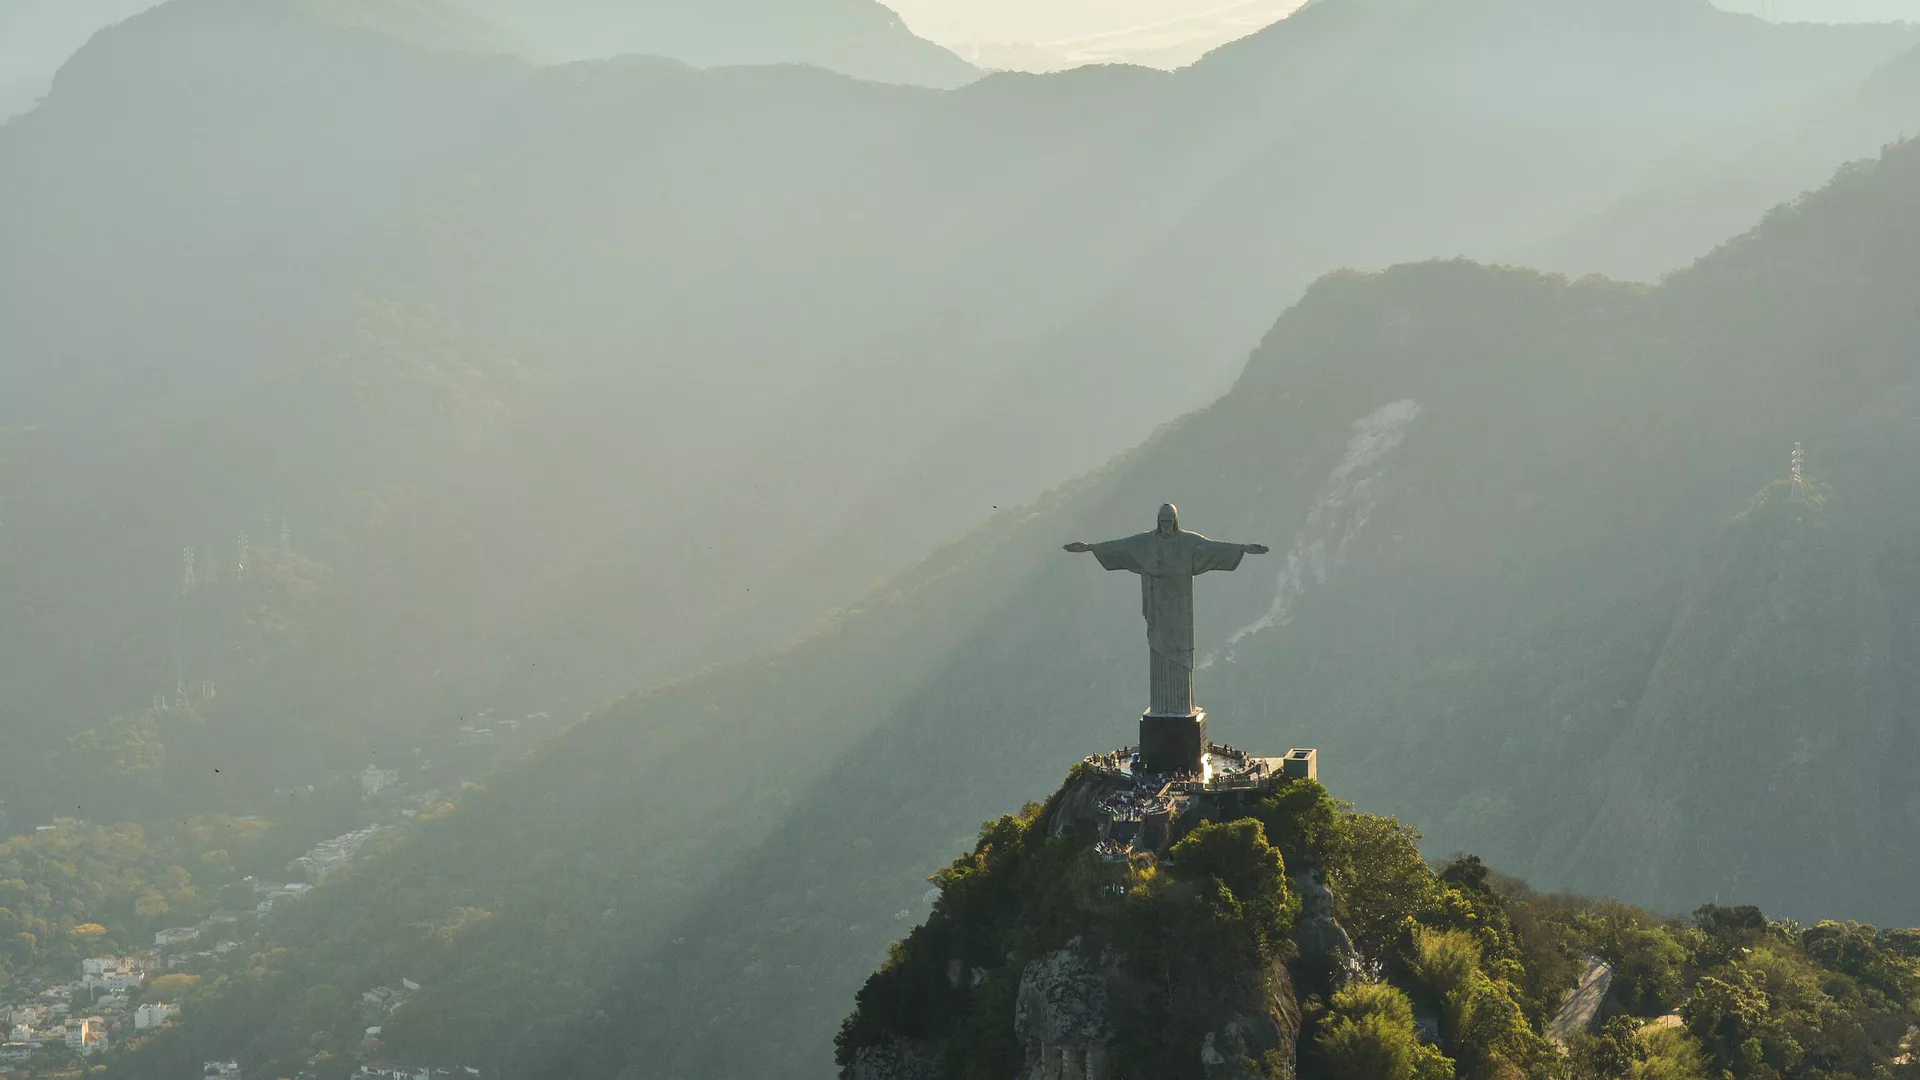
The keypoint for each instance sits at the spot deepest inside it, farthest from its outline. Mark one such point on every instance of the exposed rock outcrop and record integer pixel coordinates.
(1063, 1015)
(1322, 940)
(1235, 1051)
(896, 1059)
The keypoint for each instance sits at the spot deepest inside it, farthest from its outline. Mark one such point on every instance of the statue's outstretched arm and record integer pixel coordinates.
(1255, 549)
(1077, 547)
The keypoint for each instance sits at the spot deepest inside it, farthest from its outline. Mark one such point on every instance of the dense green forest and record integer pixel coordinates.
(1513, 659)
(1171, 959)
(79, 890)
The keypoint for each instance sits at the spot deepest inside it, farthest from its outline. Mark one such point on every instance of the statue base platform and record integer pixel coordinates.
(1173, 745)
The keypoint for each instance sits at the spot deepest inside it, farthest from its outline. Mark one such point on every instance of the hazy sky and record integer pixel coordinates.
(1169, 33)
(1045, 22)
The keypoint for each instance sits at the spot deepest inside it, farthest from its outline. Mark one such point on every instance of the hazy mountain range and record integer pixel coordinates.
(859, 37)
(1540, 577)
(560, 380)
(362, 376)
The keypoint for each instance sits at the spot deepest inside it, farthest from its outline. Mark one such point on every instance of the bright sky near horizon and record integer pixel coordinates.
(1161, 32)
(1040, 22)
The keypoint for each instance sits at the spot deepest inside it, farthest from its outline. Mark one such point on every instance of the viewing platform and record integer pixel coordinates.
(1135, 809)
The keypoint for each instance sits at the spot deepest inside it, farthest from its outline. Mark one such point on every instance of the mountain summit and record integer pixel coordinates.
(861, 38)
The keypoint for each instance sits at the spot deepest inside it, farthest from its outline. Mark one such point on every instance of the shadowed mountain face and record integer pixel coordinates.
(1522, 586)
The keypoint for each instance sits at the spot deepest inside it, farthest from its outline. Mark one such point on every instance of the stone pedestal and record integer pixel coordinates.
(1173, 744)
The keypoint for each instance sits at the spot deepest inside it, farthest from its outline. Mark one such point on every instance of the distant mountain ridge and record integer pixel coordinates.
(861, 38)
(45, 36)
(1710, 190)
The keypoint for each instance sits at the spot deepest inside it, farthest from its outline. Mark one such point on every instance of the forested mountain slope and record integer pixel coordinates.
(549, 382)
(1520, 587)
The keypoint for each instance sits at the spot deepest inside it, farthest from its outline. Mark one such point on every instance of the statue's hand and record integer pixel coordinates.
(1077, 547)
(1255, 549)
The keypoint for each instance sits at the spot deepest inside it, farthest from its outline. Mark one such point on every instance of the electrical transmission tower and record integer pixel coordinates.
(1799, 471)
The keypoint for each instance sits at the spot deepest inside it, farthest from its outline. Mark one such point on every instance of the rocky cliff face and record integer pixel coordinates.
(1063, 1015)
(1064, 1020)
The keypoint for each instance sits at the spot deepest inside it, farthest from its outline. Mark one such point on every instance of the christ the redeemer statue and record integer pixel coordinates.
(1167, 560)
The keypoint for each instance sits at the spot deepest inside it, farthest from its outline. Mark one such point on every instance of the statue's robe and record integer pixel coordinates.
(1167, 565)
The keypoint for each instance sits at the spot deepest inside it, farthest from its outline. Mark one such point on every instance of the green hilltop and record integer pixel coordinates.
(1296, 938)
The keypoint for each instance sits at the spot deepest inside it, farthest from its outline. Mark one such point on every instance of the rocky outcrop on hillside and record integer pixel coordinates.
(1063, 1015)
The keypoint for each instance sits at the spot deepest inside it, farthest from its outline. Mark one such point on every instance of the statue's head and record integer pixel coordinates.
(1169, 519)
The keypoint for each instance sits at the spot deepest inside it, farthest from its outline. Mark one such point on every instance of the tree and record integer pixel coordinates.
(1729, 931)
(1237, 855)
(1379, 877)
(1614, 1052)
(1301, 820)
(1369, 1035)
(1729, 1017)
(1465, 872)
(1445, 961)
(1670, 1055)
(1648, 967)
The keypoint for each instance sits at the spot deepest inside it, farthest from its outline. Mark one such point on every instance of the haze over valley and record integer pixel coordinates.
(552, 512)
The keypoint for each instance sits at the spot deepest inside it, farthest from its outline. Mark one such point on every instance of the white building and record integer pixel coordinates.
(179, 935)
(153, 1014)
(375, 780)
(330, 855)
(114, 974)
